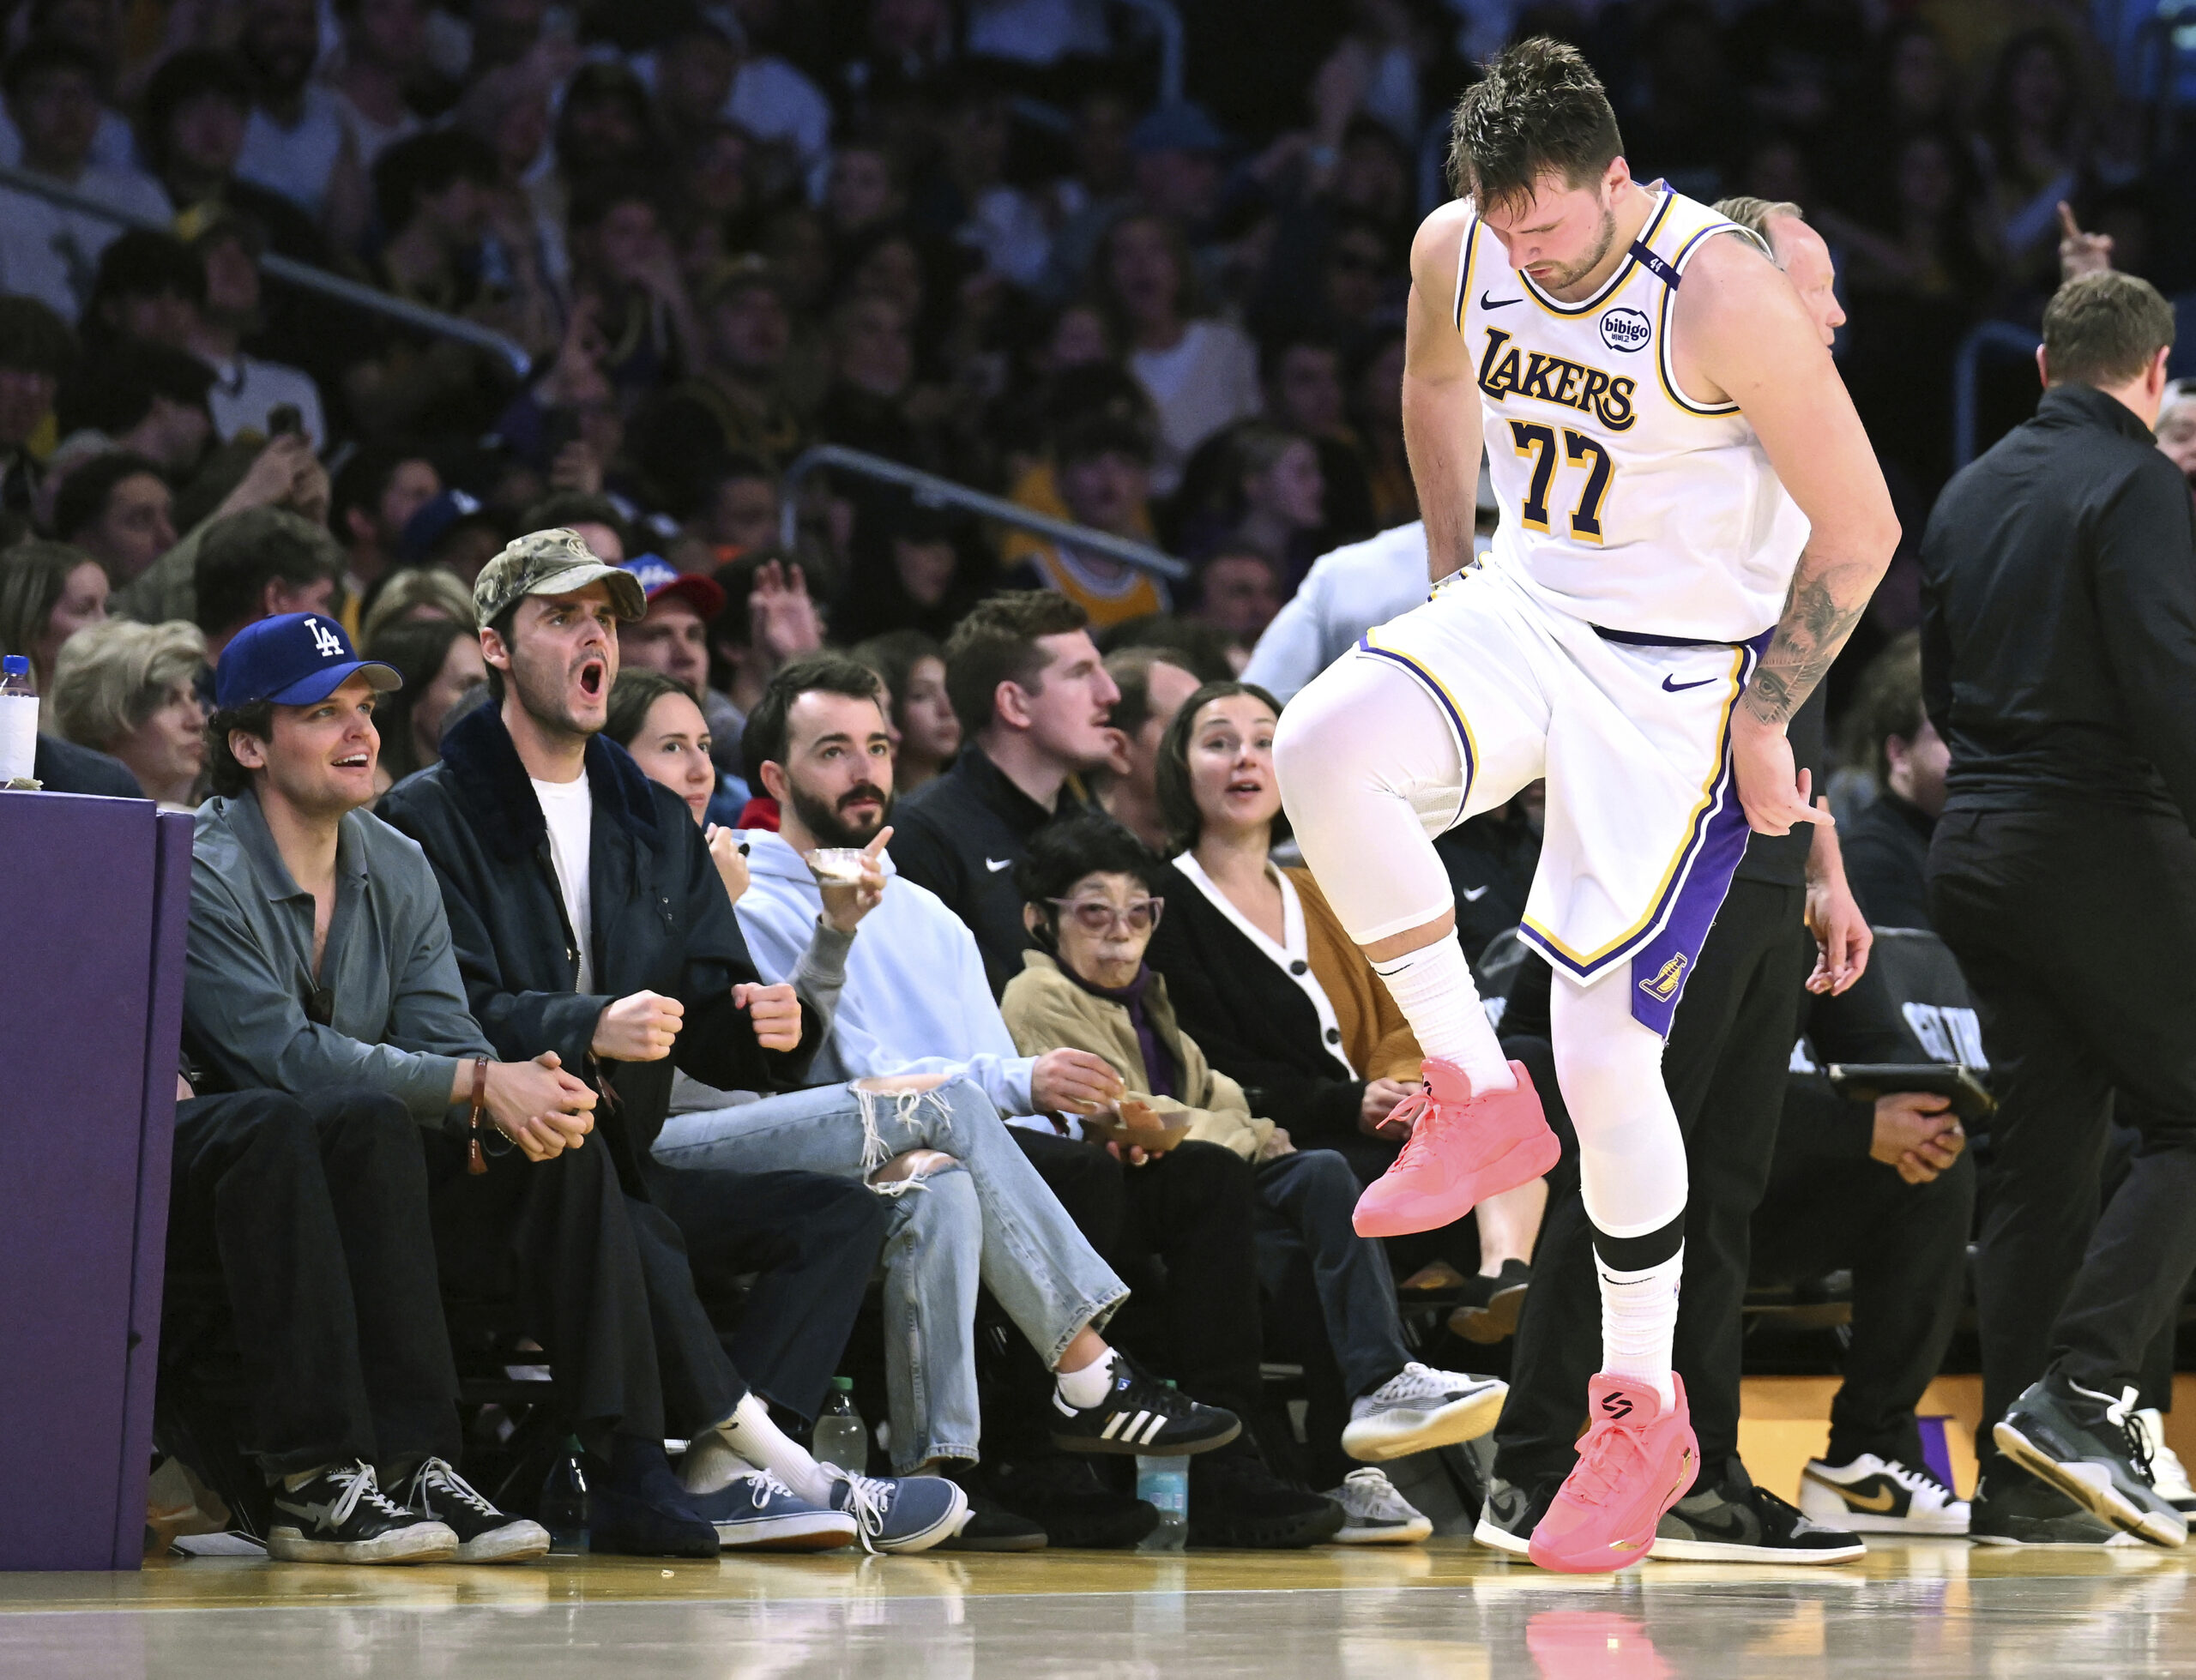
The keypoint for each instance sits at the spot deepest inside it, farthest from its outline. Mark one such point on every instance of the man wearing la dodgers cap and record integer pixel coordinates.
(326, 1025)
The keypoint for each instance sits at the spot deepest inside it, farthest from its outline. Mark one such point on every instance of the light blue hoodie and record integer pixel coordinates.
(916, 999)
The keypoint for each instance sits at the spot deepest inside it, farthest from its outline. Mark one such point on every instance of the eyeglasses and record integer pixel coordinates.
(1097, 916)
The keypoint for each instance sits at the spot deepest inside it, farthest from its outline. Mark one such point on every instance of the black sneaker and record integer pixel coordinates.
(1748, 1526)
(637, 1507)
(1488, 1311)
(485, 1534)
(340, 1516)
(1237, 1504)
(2010, 1508)
(2088, 1445)
(1062, 1495)
(991, 1526)
(1141, 1415)
(1511, 1513)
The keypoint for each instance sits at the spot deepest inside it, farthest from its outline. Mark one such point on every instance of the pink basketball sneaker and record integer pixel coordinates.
(1634, 1463)
(1463, 1149)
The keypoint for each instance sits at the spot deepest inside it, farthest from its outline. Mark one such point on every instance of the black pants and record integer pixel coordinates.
(601, 1280)
(1907, 1247)
(2074, 931)
(315, 1213)
(813, 1240)
(1194, 1315)
(1730, 1046)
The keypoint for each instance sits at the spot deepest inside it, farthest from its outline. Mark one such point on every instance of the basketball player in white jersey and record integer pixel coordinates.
(1691, 521)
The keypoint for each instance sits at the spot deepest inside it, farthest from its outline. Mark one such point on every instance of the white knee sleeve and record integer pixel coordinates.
(1369, 773)
(1631, 1173)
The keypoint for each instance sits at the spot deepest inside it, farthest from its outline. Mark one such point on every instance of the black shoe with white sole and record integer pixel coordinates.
(340, 1516)
(2088, 1445)
(485, 1534)
(1141, 1415)
(1489, 1309)
(1510, 1514)
(1748, 1526)
(2010, 1508)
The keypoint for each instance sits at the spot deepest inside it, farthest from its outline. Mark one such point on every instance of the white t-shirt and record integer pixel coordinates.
(568, 808)
(1207, 381)
(246, 390)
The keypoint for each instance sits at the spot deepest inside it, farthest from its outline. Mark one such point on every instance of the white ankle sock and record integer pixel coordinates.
(1084, 1388)
(1639, 1317)
(746, 1440)
(1432, 987)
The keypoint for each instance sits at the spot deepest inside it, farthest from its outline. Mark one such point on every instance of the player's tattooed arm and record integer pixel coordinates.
(1824, 603)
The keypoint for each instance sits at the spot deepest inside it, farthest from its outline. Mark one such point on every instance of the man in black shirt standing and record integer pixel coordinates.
(2059, 651)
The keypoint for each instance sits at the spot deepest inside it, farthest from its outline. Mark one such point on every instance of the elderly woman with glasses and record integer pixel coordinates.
(1091, 899)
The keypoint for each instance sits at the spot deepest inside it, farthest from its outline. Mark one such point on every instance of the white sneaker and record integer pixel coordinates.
(1374, 1514)
(1421, 1407)
(1876, 1496)
(2168, 1474)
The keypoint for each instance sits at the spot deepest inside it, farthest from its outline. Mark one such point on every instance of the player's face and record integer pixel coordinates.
(1806, 262)
(1562, 233)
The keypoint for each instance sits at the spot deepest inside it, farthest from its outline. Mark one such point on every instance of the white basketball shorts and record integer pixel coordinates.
(1632, 734)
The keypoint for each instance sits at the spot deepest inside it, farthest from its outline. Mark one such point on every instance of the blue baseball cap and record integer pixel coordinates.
(294, 658)
(659, 577)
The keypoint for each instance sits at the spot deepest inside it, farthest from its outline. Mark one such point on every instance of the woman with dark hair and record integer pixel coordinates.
(653, 717)
(440, 661)
(913, 666)
(2033, 143)
(912, 568)
(1261, 972)
(1091, 898)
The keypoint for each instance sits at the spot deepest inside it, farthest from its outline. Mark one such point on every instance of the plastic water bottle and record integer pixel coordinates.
(563, 1500)
(1165, 1481)
(842, 1437)
(18, 719)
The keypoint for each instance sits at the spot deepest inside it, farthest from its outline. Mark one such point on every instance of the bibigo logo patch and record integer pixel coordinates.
(1626, 329)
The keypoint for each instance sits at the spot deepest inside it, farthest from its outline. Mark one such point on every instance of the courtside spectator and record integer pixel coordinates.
(673, 636)
(131, 691)
(1887, 847)
(1033, 701)
(259, 565)
(440, 659)
(913, 666)
(1152, 682)
(48, 593)
(571, 958)
(333, 1051)
(117, 509)
(418, 594)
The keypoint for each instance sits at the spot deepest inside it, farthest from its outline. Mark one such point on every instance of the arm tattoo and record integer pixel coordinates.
(1825, 602)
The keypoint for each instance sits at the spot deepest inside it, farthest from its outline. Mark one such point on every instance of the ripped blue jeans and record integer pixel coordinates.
(989, 1220)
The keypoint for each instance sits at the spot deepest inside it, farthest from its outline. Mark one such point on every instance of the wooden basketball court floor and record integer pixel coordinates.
(1447, 1609)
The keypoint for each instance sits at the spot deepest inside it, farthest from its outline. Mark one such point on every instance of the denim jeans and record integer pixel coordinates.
(990, 1220)
(1305, 1201)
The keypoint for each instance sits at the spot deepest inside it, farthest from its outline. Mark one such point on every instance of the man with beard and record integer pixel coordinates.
(295, 142)
(1035, 707)
(587, 918)
(933, 1067)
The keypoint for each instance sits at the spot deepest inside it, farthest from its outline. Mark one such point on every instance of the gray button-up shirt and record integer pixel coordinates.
(397, 1021)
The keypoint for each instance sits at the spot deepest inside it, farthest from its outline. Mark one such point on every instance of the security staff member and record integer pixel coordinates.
(2059, 660)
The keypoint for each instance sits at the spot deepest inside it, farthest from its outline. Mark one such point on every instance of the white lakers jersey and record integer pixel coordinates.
(1624, 501)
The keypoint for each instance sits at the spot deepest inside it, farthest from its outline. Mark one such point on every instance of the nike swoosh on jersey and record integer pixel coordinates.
(995, 865)
(1487, 300)
(1474, 894)
(1678, 687)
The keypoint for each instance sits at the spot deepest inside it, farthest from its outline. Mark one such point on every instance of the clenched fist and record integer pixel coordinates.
(639, 1029)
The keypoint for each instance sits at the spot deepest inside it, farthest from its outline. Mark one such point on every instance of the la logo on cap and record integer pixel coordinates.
(325, 642)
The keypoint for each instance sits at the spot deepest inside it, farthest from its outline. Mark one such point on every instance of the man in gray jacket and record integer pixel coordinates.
(323, 1002)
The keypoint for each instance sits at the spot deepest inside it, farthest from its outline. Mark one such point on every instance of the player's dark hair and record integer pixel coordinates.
(2105, 329)
(997, 643)
(1539, 109)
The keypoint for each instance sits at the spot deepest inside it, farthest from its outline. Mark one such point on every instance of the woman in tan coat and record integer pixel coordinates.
(1087, 886)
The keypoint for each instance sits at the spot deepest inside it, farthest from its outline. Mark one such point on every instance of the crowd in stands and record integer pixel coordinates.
(709, 873)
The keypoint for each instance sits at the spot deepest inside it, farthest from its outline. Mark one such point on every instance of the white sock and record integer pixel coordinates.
(1084, 1388)
(1432, 987)
(749, 1439)
(1639, 1317)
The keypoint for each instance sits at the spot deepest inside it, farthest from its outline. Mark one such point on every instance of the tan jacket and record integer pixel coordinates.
(1045, 1010)
(1374, 1034)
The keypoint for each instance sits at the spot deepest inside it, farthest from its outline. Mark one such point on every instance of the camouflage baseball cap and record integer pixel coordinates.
(552, 562)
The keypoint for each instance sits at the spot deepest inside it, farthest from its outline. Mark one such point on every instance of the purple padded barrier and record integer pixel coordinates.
(93, 896)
